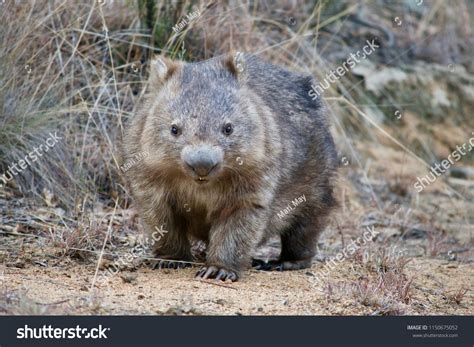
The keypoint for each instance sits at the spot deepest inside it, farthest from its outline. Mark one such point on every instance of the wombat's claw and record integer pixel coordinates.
(272, 265)
(169, 264)
(218, 274)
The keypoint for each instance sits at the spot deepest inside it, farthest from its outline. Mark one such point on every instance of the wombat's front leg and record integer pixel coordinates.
(232, 239)
(171, 242)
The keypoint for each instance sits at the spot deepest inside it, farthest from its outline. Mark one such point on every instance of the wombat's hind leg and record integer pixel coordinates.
(298, 246)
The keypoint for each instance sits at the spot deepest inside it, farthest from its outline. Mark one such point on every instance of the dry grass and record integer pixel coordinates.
(79, 68)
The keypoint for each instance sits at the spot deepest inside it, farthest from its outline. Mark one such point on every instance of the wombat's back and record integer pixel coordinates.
(283, 90)
(302, 121)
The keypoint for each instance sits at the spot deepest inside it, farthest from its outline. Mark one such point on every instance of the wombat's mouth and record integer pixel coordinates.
(201, 180)
(205, 176)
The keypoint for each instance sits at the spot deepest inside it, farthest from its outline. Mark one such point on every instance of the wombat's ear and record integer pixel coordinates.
(235, 63)
(161, 69)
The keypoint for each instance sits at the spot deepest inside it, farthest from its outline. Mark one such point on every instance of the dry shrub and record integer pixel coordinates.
(79, 69)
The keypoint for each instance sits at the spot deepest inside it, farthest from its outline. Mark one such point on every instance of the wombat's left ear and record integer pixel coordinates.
(161, 69)
(235, 62)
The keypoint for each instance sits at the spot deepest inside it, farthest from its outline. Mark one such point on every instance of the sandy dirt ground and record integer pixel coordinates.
(175, 292)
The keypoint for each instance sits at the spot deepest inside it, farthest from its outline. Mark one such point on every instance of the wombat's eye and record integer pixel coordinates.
(227, 130)
(175, 130)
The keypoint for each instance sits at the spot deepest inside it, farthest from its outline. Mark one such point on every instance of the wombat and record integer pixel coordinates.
(237, 152)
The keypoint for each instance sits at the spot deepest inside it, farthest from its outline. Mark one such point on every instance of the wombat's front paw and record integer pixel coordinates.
(217, 273)
(169, 264)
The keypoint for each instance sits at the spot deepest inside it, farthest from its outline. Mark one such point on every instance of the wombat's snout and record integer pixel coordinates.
(202, 160)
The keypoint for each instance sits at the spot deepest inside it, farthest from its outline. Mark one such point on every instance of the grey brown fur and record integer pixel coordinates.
(279, 149)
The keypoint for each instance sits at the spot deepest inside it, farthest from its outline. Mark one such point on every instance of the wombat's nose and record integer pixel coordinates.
(202, 160)
(203, 167)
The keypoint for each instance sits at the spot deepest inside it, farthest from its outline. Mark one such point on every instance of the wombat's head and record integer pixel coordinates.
(200, 123)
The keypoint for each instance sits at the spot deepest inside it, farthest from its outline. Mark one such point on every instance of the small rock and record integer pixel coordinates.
(59, 211)
(141, 297)
(129, 277)
(19, 264)
(42, 263)
(219, 302)
(104, 264)
(462, 172)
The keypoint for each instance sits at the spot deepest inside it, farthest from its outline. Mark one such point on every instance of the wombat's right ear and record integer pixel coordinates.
(161, 69)
(235, 63)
